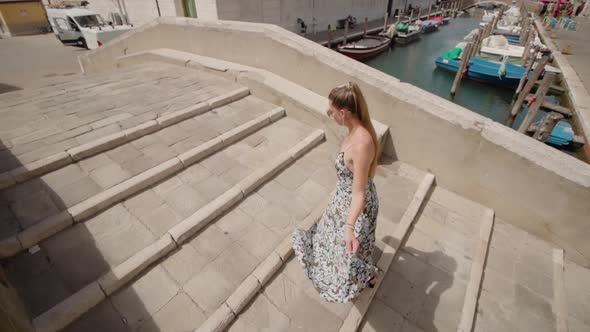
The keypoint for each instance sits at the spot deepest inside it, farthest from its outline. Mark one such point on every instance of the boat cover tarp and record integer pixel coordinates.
(452, 54)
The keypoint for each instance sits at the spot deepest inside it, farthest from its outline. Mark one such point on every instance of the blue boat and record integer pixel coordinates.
(485, 71)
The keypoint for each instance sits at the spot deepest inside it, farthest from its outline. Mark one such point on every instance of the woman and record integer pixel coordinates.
(336, 252)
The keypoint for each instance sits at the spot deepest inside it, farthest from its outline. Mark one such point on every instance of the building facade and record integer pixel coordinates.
(22, 17)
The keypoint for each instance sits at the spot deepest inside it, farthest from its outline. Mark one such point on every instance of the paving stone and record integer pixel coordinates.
(442, 308)
(253, 205)
(76, 192)
(109, 175)
(236, 174)
(499, 286)
(161, 220)
(178, 315)
(103, 317)
(184, 263)
(185, 200)
(64, 176)
(168, 185)
(146, 141)
(138, 165)
(259, 240)
(534, 280)
(123, 153)
(235, 223)
(292, 177)
(173, 135)
(235, 264)
(401, 295)
(493, 317)
(36, 207)
(261, 314)
(187, 144)
(146, 296)
(276, 219)
(303, 312)
(98, 133)
(144, 203)
(525, 298)
(218, 163)
(530, 322)
(158, 152)
(381, 318)
(8, 223)
(212, 187)
(211, 242)
(209, 289)
(94, 162)
(194, 174)
(311, 192)
(577, 291)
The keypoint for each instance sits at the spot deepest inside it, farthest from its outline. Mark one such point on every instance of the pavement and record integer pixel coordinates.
(28, 61)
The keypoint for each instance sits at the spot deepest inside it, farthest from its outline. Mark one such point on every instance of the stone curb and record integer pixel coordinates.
(66, 311)
(219, 320)
(184, 114)
(93, 205)
(247, 290)
(129, 269)
(55, 161)
(242, 295)
(32, 235)
(103, 200)
(476, 276)
(361, 304)
(42, 166)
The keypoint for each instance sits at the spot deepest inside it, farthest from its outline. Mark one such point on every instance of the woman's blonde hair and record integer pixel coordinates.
(350, 97)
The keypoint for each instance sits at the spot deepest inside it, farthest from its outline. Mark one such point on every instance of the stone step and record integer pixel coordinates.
(83, 151)
(112, 182)
(425, 286)
(110, 239)
(181, 290)
(43, 126)
(523, 287)
(289, 301)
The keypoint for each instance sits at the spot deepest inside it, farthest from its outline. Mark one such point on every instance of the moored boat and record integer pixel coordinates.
(367, 47)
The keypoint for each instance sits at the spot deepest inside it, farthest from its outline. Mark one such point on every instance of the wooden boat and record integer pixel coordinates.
(405, 38)
(446, 20)
(367, 47)
(485, 71)
(430, 25)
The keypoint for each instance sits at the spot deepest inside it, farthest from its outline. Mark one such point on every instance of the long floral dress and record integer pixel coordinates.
(336, 274)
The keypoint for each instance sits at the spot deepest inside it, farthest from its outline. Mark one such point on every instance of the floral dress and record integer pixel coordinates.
(336, 274)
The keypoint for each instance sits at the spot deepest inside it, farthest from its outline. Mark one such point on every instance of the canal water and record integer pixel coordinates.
(414, 64)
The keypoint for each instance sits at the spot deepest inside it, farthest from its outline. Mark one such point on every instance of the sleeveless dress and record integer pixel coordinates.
(337, 275)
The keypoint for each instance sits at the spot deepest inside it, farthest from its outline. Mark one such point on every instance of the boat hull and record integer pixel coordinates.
(366, 53)
(485, 71)
(404, 39)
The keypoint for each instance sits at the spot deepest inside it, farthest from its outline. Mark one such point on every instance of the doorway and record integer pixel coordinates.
(190, 10)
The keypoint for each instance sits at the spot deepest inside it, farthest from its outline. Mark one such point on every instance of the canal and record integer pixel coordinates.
(414, 64)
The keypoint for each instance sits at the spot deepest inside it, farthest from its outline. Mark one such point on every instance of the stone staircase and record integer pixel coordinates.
(162, 198)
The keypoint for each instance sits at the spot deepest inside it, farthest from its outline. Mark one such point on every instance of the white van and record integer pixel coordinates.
(82, 26)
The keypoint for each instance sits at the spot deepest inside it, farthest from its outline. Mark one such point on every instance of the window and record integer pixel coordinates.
(89, 21)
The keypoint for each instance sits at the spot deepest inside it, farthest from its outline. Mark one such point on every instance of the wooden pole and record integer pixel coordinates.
(478, 40)
(365, 27)
(345, 31)
(529, 66)
(525, 91)
(527, 48)
(462, 68)
(534, 108)
(385, 19)
(546, 127)
(330, 36)
(429, 9)
(411, 15)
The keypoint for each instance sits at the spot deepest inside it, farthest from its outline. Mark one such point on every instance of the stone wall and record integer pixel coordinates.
(527, 183)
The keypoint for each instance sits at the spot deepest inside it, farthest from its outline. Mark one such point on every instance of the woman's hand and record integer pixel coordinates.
(352, 244)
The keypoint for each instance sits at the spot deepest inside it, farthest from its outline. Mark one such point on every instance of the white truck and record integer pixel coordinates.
(82, 26)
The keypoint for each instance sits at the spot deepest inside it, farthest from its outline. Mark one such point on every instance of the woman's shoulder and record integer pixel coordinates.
(363, 138)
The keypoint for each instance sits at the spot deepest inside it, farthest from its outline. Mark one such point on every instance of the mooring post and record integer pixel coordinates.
(330, 36)
(385, 19)
(462, 68)
(345, 32)
(525, 91)
(365, 27)
(539, 98)
(529, 66)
